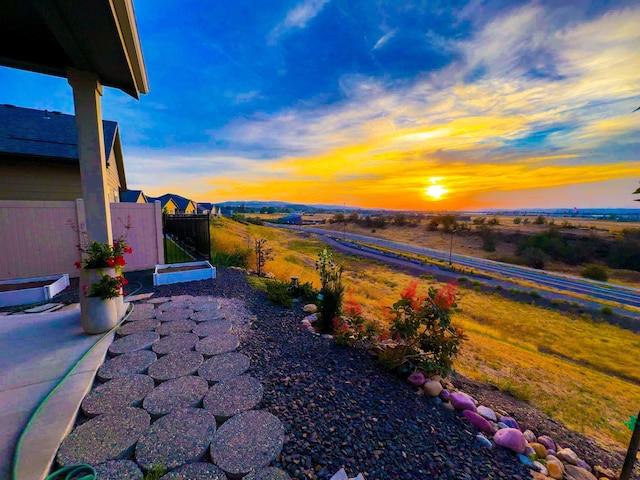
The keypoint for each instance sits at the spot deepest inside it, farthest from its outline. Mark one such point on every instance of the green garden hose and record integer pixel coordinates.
(73, 471)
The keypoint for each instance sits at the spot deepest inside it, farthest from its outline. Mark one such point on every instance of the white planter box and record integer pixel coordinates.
(165, 278)
(26, 296)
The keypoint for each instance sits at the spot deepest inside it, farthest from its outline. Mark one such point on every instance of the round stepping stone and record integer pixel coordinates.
(107, 437)
(175, 306)
(269, 473)
(207, 315)
(174, 365)
(172, 315)
(212, 327)
(133, 342)
(175, 394)
(230, 397)
(127, 364)
(217, 344)
(205, 305)
(177, 342)
(224, 367)
(117, 393)
(248, 441)
(118, 470)
(176, 439)
(195, 471)
(159, 300)
(175, 326)
(141, 311)
(138, 326)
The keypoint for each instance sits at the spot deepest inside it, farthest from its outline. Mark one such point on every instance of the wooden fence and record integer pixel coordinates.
(41, 238)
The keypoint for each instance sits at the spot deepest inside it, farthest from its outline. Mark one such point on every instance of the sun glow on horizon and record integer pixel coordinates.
(436, 192)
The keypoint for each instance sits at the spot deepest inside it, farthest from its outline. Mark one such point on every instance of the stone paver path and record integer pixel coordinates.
(175, 393)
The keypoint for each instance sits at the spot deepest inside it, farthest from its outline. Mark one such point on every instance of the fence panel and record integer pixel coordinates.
(190, 234)
(40, 238)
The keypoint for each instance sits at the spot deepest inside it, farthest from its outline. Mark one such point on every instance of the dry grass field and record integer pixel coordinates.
(581, 373)
(466, 243)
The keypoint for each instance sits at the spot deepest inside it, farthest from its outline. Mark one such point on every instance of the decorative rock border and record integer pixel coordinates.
(176, 439)
(174, 365)
(246, 442)
(127, 364)
(233, 396)
(224, 367)
(106, 437)
(217, 344)
(178, 342)
(133, 342)
(119, 470)
(176, 394)
(120, 392)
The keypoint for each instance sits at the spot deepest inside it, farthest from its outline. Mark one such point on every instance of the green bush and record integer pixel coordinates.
(595, 272)
(517, 221)
(305, 291)
(606, 311)
(239, 258)
(332, 291)
(278, 293)
(535, 294)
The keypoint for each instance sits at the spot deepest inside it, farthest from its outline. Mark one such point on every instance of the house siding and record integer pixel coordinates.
(113, 180)
(25, 180)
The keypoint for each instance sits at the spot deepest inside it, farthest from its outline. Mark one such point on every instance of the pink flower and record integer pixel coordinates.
(78, 264)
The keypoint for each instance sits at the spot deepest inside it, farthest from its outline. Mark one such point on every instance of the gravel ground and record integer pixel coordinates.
(340, 409)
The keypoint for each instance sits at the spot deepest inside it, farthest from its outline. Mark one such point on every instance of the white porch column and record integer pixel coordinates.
(87, 91)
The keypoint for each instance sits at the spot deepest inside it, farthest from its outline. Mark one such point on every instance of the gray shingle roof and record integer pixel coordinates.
(180, 202)
(25, 131)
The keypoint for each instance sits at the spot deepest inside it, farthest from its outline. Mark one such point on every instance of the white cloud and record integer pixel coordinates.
(384, 39)
(297, 17)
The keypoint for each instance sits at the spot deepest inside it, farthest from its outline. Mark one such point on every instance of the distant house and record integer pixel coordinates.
(226, 211)
(204, 208)
(167, 205)
(291, 219)
(182, 204)
(133, 196)
(39, 156)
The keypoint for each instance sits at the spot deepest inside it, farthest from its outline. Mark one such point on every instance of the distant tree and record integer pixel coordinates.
(339, 218)
(263, 210)
(488, 236)
(400, 220)
(479, 220)
(525, 221)
(494, 221)
(271, 210)
(449, 222)
(540, 220)
(354, 217)
(433, 224)
(242, 209)
(517, 221)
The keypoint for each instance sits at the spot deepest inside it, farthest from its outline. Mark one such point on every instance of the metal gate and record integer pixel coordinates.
(186, 238)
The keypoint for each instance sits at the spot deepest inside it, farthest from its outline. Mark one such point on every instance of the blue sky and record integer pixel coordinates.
(499, 104)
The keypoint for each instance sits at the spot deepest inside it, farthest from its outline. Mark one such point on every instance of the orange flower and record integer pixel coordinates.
(410, 292)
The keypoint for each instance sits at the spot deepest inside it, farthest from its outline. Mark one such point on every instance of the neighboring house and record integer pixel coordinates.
(39, 156)
(225, 211)
(204, 208)
(133, 196)
(167, 205)
(182, 205)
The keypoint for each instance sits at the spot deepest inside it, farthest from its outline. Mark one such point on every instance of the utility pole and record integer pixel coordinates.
(344, 224)
(451, 247)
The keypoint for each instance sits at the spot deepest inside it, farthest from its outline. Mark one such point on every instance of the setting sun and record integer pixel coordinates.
(435, 191)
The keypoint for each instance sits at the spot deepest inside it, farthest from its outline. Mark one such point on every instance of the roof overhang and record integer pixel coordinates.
(51, 36)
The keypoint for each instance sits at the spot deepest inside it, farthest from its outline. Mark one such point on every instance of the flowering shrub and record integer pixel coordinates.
(352, 327)
(421, 335)
(107, 287)
(331, 292)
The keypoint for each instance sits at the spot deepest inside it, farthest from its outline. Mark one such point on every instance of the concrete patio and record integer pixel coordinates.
(37, 352)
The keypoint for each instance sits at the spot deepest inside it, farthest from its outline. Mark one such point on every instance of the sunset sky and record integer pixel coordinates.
(388, 103)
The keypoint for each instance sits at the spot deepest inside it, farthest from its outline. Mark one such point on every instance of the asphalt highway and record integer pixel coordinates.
(591, 288)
